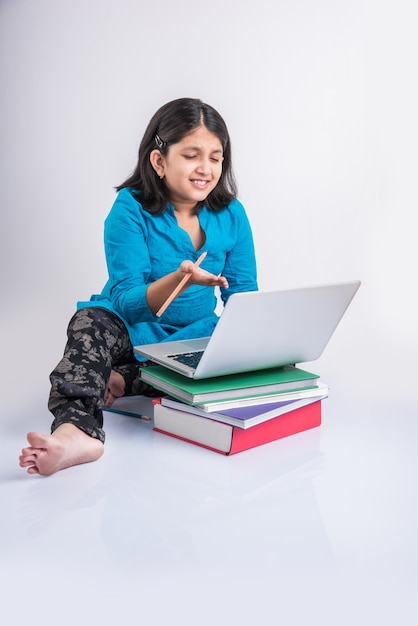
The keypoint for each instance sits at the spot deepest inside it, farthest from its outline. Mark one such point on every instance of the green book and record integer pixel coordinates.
(235, 386)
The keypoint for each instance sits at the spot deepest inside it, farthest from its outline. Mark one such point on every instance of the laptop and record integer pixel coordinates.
(258, 330)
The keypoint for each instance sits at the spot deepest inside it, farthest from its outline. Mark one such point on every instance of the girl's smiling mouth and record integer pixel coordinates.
(200, 183)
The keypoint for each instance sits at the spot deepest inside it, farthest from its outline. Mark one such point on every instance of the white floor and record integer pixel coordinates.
(318, 528)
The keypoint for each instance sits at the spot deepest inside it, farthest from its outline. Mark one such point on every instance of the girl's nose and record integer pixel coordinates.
(204, 166)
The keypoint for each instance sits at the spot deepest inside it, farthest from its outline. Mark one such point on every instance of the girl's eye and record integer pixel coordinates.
(189, 157)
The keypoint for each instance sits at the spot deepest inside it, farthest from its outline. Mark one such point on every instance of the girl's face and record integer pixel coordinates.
(191, 168)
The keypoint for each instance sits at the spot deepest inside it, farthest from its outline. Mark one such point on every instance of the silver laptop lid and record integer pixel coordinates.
(258, 329)
(266, 329)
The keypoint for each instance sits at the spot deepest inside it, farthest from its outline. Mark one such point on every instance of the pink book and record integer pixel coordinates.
(227, 439)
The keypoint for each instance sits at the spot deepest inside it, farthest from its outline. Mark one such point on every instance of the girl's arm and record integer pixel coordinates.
(161, 289)
(240, 265)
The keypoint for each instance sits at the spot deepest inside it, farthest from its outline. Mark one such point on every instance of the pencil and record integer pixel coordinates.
(179, 287)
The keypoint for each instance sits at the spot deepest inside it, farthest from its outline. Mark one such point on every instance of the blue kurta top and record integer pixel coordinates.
(140, 248)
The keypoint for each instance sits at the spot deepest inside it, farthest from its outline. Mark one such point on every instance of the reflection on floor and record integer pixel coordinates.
(318, 528)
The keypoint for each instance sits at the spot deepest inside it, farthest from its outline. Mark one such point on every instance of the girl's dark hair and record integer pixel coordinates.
(168, 126)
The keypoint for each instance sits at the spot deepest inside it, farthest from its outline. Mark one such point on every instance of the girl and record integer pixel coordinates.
(179, 202)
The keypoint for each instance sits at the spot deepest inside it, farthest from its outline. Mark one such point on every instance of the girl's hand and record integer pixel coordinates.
(200, 276)
(163, 291)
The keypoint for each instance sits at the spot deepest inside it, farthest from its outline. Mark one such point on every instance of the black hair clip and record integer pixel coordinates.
(160, 143)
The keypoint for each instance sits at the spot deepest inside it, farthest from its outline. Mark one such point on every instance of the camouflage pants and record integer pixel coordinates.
(97, 342)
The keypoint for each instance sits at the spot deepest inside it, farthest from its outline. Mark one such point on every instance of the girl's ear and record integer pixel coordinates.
(157, 162)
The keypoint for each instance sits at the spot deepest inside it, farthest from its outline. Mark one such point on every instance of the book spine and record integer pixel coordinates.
(290, 423)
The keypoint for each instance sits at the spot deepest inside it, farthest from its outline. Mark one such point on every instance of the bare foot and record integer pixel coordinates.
(67, 446)
(115, 388)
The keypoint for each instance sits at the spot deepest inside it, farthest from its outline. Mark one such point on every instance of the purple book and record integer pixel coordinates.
(247, 416)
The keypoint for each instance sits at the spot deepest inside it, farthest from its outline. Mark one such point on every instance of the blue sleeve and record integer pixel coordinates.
(240, 264)
(128, 259)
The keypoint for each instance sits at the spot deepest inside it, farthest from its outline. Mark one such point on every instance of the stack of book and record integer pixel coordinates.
(229, 414)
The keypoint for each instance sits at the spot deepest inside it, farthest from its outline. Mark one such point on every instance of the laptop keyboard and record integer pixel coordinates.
(188, 358)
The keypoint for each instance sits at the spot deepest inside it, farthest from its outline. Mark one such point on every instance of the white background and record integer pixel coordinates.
(321, 102)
